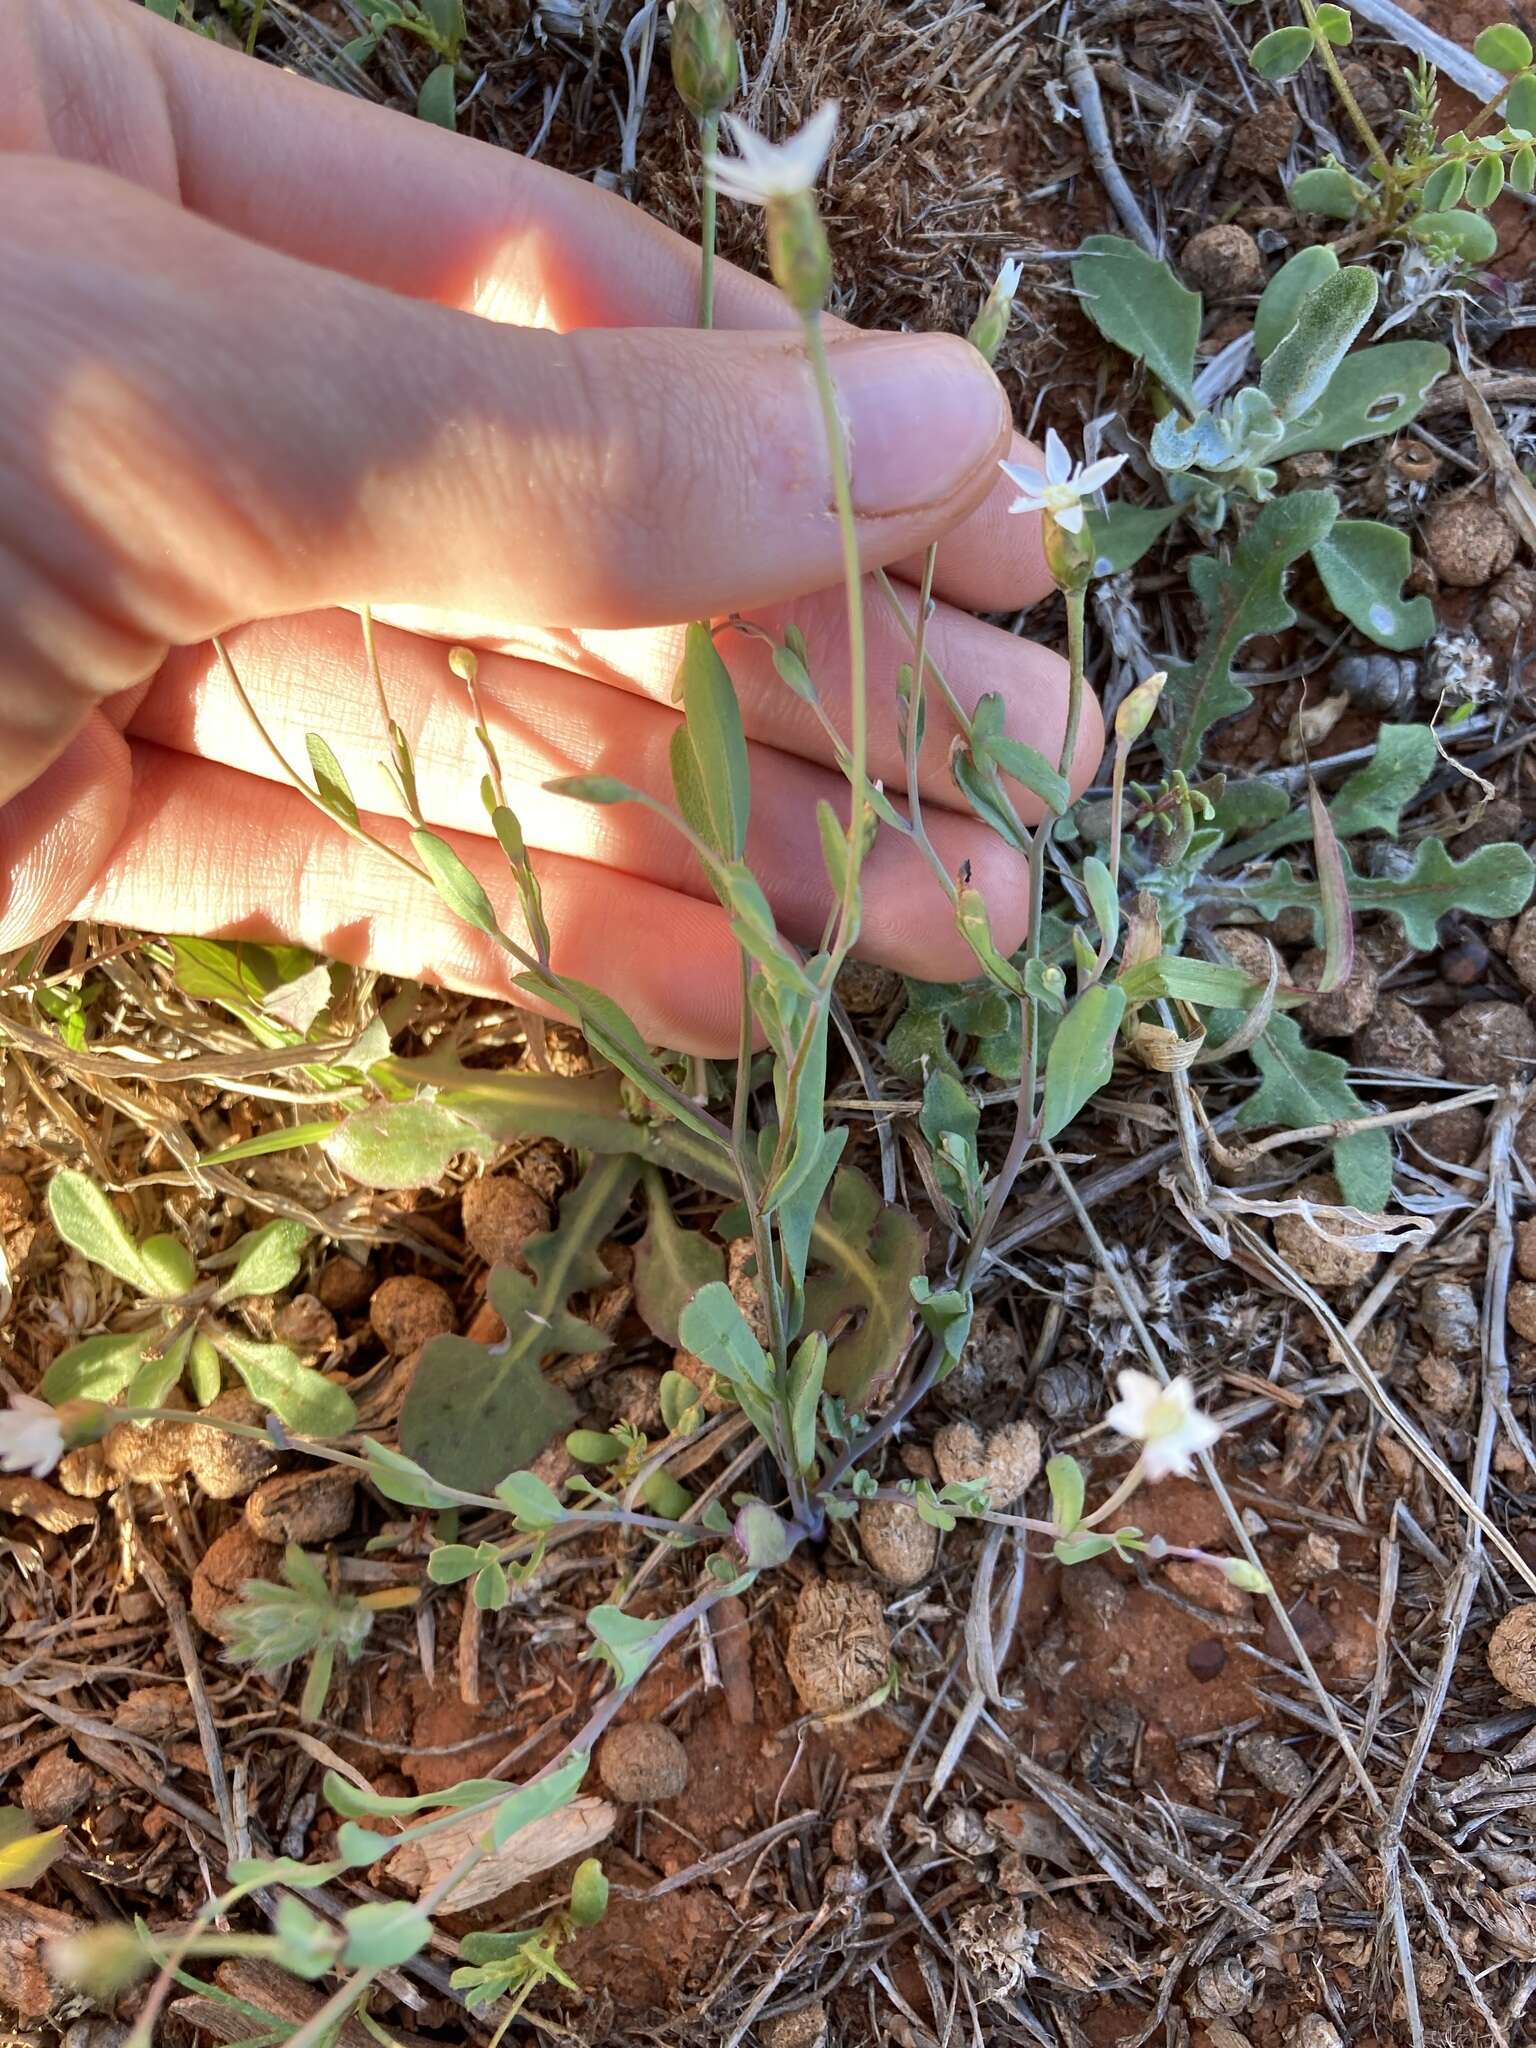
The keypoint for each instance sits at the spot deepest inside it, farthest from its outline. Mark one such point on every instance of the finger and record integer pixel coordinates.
(303, 674)
(210, 850)
(976, 660)
(57, 833)
(399, 204)
(392, 450)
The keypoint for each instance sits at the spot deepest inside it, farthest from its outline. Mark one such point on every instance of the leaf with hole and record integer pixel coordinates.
(1136, 302)
(1374, 392)
(1363, 565)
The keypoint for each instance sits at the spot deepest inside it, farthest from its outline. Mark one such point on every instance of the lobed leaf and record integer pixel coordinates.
(1301, 1086)
(1373, 798)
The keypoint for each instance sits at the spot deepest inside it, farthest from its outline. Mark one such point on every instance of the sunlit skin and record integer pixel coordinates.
(272, 354)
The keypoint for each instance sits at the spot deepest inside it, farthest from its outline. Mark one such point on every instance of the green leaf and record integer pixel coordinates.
(589, 1893)
(623, 1642)
(949, 1120)
(269, 1259)
(25, 1853)
(1468, 235)
(1302, 1086)
(454, 883)
(402, 1479)
(1064, 1477)
(1104, 901)
(356, 1802)
(1239, 1572)
(334, 790)
(1503, 47)
(1493, 882)
(975, 927)
(1081, 1549)
(531, 1503)
(1136, 302)
(384, 1934)
(306, 1400)
(1374, 392)
(1193, 981)
(1485, 183)
(151, 1385)
(708, 698)
(85, 1219)
(171, 1266)
(1373, 798)
(671, 1264)
(1302, 363)
(97, 1370)
(1336, 24)
(1327, 190)
(1121, 536)
(1522, 167)
(357, 51)
(1287, 292)
(452, 1563)
(1520, 105)
(437, 101)
(1238, 598)
(474, 1412)
(1363, 565)
(1445, 187)
(1082, 1055)
(713, 1328)
(1282, 53)
(594, 789)
(403, 1144)
(807, 1375)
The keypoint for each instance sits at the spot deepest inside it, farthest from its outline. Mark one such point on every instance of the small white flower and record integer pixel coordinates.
(30, 1437)
(1059, 488)
(1008, 278)
(763, 170)
(1164, 1421)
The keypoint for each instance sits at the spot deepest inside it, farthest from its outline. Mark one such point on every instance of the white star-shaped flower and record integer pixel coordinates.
(1164, 1421)
(763, 170)
(1060, 488)
(30, 1437)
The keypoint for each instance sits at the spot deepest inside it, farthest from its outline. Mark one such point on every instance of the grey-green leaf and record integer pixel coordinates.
(1363, 565)
(713, 1328)
(403, 1144)
(97, 1370)
(1121, 535)
(437, 102)
(1374, 392)
(84, 1218)
(268, 1260)
(453, 881)
(305, 1399)
(671, 1265)
(1328, 319)
(1303, 1086)
(1493, 882)
(1137, 303)
(1282, 53)
(1286, 294)
(1082, 1054)
(719, 741)
(1373, 798)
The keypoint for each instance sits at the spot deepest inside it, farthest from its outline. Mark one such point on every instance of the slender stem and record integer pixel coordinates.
(1347, 99)
(709, 140)
(916, 700)
(1077, 607)
(853, 583)
(1118, 1498)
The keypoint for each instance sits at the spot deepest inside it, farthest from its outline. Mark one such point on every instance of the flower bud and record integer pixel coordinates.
(464, 663)
(799, 255)
(991, 323)
(82, 1422)
(705, 66)
(1135, 713)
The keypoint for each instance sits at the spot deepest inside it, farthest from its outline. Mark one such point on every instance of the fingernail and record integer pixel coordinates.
(923, 415)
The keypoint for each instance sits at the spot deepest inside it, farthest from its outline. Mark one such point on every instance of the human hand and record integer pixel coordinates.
(273, 354)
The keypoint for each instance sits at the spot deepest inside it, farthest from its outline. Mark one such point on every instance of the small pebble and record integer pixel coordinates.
(408, 1310)
(642, 1763)
(1277, 1768)
(1207, 1659)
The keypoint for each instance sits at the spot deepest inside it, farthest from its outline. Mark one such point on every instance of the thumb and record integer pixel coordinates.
(209, 432)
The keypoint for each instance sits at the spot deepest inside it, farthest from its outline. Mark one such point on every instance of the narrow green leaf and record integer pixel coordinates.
(1520, 105)
(1082, 1055)
(1445, 187)
(589, 1893)
(1081, 1549)
(719, 742)
(1287, 292)
(355, 1802)
(807, 1375)
(1104, 901)
(1136, 302)
(1064, 1477)
(1191, 980)
(85, 1219)
(454, 883)
(1363, 565)
(334, 790)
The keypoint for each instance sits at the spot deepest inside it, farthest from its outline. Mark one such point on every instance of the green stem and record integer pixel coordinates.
(1077, 610)
(1347, 100)
(709, 140)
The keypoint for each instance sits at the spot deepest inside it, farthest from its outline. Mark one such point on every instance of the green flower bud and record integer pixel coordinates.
(705, 66)
(990, 326)
(1068, 556)
(1135, 713)
(799, 255)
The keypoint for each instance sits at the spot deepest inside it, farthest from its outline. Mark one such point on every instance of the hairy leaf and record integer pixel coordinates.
(1302, 1086)
(305, 1399)
(1239, 598)
(85, 1219)
(403, 1144)
(1122, 535)
(1302, 363)
(671, 1264)
(1494, 882)
(1374, 392)
(1327, 190)
(268, 1260)
(1082, 1054)
(1363, 565)
(1286, 293)
(96, 1370)
(1138, 303)
(476, 1412)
